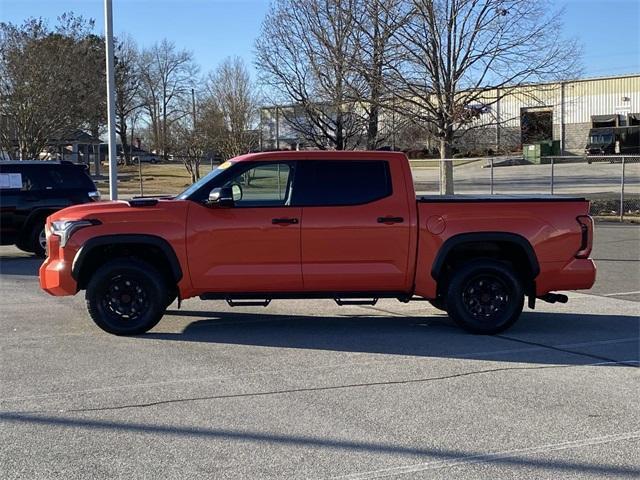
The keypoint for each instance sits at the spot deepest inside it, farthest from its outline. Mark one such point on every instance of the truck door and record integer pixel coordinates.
(355, 225)
(253, 246)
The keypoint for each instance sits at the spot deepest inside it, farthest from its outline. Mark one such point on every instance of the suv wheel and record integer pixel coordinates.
(126, 297)
(485, 297)
(37, 239)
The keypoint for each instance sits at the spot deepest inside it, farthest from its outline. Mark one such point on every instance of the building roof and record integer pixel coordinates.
(76, 136)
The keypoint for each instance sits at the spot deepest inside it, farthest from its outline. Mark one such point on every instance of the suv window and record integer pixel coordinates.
(68, 177)
(341, 182)
(32, 179)
(51, 177)
(265, 184)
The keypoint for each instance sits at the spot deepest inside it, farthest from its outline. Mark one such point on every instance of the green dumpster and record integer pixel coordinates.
(533, 152)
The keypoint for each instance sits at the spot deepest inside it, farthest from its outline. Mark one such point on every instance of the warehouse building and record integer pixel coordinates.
(564, 112)
(507, 119)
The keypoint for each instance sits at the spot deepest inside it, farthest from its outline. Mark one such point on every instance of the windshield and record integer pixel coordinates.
(209, 176)
(601, 139)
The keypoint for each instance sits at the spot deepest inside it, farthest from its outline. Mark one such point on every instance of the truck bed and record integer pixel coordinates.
(497, 198)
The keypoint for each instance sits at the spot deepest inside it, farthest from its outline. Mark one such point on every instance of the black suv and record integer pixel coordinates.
(30, 191)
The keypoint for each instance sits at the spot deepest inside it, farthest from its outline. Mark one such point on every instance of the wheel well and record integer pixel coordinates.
(101, 254)
(512, 253)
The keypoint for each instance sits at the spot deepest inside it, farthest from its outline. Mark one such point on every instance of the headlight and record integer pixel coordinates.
(65, 228)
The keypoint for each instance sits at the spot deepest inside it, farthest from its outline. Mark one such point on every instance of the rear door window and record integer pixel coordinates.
(68, 177)
(33, 179)
(336, 183)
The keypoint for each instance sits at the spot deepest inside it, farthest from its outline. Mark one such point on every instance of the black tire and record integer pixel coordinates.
(126, 296)
(485, 297)
(23, 246)
(171, 297)
(439, 304)
(35, 237)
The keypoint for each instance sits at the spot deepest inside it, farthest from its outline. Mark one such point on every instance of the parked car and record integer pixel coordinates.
(30, 191)
(340, 225)
(146, 159)
(154, 159)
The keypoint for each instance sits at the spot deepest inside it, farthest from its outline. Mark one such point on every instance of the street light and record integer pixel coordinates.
(111, 100)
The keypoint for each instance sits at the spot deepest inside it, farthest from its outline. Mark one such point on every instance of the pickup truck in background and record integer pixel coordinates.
(339, 225)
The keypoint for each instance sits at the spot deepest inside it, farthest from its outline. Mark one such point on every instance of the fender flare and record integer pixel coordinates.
(144, 239)
(476, 237)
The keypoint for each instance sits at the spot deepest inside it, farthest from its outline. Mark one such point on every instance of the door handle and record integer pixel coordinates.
(390, 219)
(284, 221)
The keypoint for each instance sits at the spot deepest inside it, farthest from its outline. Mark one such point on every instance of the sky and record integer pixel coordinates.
(609, 30)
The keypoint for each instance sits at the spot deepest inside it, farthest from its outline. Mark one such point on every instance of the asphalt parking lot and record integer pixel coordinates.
(305, 389)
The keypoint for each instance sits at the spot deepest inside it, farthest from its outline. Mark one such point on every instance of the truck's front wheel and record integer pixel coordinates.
(126, 296)
(485, 297)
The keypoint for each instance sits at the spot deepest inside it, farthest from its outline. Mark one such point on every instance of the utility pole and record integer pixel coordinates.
(111, 101)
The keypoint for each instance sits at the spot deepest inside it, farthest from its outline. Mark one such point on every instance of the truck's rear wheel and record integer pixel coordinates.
(485, 297)
(126, 297)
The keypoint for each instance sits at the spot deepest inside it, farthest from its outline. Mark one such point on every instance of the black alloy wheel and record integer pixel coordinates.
(485, 296)
(126, 296)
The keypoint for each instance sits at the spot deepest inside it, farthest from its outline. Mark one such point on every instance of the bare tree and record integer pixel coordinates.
(233, 95)
(304, 54)
(167, 77)
(127, 91)
(199, 136)
(43, 93)
(377, 50)
(458, 50)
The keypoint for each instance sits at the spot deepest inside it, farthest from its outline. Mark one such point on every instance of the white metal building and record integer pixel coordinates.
(566, 110)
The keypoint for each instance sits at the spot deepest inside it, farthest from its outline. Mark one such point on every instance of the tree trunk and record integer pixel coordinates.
(124, 141)
(340, 142)
(95, 132)
(446, 167)
(372, 129)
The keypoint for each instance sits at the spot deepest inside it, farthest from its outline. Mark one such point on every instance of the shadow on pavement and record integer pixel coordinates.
(548, 338)
(523, 458)
(25, 266)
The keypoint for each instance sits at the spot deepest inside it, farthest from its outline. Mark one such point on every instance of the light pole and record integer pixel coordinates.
(111, 100)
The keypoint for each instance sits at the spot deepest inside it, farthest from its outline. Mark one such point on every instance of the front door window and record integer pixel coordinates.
(262, 185)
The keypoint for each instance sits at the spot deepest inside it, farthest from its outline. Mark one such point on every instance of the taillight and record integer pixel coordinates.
(586, 241)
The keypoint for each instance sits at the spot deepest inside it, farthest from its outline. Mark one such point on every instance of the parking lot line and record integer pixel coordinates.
(620, 294)
(504, 455)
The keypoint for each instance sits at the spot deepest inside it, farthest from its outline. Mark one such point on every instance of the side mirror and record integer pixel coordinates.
(221, 197)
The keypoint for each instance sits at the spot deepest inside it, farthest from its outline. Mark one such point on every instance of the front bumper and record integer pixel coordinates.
(55, 272)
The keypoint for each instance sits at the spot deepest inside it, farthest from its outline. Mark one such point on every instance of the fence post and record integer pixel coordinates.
(491, 176)
(622, 192)
(552, 174)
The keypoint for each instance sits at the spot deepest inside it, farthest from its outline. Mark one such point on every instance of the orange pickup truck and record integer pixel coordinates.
(339, 225)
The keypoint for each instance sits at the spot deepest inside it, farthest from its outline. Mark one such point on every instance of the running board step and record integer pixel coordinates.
(248, 303)
(342, 302)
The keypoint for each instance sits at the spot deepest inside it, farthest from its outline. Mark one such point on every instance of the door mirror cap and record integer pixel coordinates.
(221, 197)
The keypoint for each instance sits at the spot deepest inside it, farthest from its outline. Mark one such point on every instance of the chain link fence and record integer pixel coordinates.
(611, 183)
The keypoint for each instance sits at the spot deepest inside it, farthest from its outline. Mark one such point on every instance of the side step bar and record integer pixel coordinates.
(341, 302)
(248, 303)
